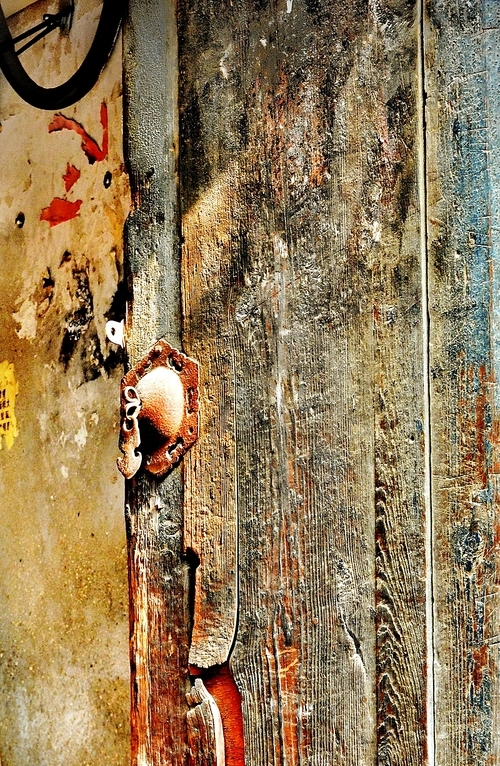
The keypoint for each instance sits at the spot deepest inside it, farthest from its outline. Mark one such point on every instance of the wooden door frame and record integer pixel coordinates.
(159, 573)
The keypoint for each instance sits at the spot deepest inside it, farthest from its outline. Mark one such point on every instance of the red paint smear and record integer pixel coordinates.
(90, 147)
(195, 671)
(71, 176)
(60, 210)
(225, 693)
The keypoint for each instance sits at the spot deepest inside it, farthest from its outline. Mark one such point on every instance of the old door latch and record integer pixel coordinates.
(159, 411)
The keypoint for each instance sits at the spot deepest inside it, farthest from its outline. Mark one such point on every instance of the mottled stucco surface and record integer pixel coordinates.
(64, 676)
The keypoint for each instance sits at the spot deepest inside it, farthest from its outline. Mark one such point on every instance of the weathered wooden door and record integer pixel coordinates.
(316, 222)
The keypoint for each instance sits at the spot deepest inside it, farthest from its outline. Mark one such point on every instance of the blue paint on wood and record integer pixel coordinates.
(466, 269)
(491, 47)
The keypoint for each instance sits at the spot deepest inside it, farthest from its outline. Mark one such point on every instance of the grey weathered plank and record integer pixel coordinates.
(210, 496)
(159, 574)
(302, 297)
(463, 111)
(401, 416)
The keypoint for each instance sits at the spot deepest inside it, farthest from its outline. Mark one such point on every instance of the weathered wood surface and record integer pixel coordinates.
(463, 113)
(160, 586)
(210, 471)
(401, 413)
(302, 303)
(205, 734)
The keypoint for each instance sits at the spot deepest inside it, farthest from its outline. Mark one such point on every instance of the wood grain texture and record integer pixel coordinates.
(160, 583)
(302, 303)
(463, 112)
(205, 734)
(223, 689)
(401, 504)
(210, 497)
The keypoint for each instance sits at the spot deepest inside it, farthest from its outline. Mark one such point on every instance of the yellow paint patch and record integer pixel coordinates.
(8, 393)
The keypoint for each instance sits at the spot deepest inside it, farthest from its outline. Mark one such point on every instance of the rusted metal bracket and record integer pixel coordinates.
(159, 411)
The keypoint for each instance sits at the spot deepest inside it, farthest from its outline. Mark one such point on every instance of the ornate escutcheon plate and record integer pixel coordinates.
(159, 411)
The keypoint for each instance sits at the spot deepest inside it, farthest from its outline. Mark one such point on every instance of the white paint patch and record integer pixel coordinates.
(82, 433)
(305, 710)
(263, 42)
(66, 720)
(43, 420)
(376, 231)
(281, 249)
(64, 471)
(279, 386)
(289, 6)
(26, 317)
(222, 63)
(63, 438)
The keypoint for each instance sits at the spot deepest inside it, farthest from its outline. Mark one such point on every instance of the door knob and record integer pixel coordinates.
(159, 411)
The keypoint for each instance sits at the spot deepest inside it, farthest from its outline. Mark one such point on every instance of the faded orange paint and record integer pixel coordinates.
(223, 689)
(495, 442)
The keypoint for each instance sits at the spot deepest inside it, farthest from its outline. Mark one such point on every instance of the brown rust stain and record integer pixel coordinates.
(289, 664)
(480, 660)
(473, 431)
(481, 429)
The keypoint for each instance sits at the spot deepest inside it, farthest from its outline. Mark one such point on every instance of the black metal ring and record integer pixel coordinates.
(79, 84)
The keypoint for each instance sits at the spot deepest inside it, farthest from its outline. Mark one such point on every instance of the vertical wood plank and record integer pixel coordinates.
(210, 496)
(463, 110)
(302, 298)
(401, 494)
(160, 621)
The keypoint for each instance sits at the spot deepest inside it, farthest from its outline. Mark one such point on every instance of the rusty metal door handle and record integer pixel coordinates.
(159, 411)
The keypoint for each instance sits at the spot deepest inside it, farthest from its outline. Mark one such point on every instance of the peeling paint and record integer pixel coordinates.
(61, 210)
(82, 433)
(26, 317)
(63, 575)
(71, 176)
(89, 145)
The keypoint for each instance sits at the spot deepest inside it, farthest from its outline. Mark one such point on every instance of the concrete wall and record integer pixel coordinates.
(64, 680)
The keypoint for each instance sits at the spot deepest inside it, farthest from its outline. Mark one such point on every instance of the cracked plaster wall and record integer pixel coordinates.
(64, 679)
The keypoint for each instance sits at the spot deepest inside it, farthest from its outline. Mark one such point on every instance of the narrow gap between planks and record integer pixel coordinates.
(429, 522)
